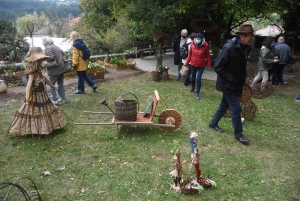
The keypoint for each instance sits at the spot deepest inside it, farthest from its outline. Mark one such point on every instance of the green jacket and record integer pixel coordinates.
(266, 59)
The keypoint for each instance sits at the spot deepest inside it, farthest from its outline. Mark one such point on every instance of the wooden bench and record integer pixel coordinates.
(143, 47)
(168, 45)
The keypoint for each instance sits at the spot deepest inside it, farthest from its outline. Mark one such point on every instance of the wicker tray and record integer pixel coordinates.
(185, 190)
(126, 110)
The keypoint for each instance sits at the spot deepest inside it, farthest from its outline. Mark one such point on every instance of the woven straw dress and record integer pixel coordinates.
(37, 114)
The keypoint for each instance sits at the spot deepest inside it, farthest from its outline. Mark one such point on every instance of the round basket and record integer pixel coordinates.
(246, 94)
(126, 110)
(249, 110)
(250, 73)
(228, 113)
(3, 86)
(131, 63)
(262, 90)
(185, 190)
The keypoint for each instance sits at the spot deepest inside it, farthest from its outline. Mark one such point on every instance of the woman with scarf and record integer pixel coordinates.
(198, 58)
(80, 64)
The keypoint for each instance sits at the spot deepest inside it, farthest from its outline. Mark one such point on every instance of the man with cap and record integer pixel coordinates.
(178, 43)
(231, 69)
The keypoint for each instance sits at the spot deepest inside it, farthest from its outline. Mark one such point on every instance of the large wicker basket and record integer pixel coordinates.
(247, 93)
(126, 110)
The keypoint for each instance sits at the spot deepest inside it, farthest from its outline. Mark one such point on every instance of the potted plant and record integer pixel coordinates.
(95, 70)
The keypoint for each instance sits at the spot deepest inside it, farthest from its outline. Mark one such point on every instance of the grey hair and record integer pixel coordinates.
(47, 40)
(74, 35)
(183, 31)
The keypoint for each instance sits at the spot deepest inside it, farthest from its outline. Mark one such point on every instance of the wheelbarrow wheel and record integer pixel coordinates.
(171, 117)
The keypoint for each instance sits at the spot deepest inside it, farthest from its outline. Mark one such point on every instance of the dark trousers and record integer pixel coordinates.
(232, 102)
(277, 75)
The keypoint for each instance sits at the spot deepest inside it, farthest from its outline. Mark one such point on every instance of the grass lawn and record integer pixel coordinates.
(136, 166)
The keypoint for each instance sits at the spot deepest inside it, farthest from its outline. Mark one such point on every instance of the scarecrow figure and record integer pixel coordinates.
(195, 155)
(37, 114)
(177, 173)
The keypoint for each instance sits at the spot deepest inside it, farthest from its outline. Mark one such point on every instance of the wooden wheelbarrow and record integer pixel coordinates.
(169, 120)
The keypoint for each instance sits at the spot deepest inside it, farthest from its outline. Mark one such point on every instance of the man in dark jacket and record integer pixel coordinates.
(179, 42)
(231, 69)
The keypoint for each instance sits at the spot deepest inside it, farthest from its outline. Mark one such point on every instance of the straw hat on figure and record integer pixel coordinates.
(195, 155)
(177, 173)
(37, 114)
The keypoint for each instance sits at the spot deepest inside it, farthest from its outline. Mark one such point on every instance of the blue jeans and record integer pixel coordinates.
(199, 73)
(83, 76)
(187, 79)
(60, 82)
(298, 96)
(179, 68)
(232, 102)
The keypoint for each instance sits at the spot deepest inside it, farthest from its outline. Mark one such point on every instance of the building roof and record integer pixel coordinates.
(64, 43)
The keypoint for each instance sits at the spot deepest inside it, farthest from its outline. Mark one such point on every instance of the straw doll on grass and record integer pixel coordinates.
(37, 114)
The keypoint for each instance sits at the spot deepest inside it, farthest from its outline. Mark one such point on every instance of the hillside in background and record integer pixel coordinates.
(13, 9)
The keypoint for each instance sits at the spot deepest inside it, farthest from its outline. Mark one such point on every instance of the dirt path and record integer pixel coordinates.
(18, 93)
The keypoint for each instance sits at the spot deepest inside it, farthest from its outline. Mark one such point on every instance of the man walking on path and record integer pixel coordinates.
(179, 42)
(231, 69)
(283, 51)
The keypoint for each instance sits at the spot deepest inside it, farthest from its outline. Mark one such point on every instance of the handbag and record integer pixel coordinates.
(184, 70)
(3, 86)
(49, 64)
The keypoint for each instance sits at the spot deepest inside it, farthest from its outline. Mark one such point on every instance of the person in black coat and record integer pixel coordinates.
(179, 42)
(231, 69)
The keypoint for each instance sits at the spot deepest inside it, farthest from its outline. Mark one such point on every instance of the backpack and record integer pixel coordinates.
(85, 50)
(184, 50)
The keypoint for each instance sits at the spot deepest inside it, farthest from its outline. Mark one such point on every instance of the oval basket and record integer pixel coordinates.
(126, 110)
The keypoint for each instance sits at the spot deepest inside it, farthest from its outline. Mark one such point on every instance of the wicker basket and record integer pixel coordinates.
(126, 110)
(185, 190)
(262, 90)
(247, 93)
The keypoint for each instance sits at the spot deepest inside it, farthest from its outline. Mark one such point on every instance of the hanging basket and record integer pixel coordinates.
(126, 110)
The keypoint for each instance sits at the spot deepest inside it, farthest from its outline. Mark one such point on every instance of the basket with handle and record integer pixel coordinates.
(126, 110)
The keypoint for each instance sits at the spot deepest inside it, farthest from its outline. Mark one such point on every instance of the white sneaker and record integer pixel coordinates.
(55, 102)
(61, 101)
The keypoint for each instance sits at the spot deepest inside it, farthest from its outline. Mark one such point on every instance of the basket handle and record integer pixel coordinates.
(138, 104)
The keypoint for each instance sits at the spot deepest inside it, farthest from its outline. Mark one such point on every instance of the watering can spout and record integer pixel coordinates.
(103, 102)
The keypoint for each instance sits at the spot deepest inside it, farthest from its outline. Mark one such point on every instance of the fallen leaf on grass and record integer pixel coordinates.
(153, 156)
(82, 190)
(184, 161)
(262, 181)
